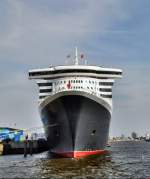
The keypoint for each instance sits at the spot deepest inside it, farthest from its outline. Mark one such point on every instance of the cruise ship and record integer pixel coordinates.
(75, 103)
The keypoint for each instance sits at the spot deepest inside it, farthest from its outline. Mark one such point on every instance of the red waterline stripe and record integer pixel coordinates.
(80, 154)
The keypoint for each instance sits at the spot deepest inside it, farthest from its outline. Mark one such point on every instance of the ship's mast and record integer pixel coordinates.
(76, 57)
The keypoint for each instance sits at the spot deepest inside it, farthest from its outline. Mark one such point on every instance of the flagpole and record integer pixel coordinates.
(76, 56)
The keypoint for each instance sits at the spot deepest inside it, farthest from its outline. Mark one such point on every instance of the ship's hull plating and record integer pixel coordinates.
(76, 126)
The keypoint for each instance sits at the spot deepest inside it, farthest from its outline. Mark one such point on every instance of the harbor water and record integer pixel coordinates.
(129, 159)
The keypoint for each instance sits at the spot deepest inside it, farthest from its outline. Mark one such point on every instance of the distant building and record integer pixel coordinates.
(147, 136)
(11, 133)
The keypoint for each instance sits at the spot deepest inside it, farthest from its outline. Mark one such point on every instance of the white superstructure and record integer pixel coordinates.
(93, 80)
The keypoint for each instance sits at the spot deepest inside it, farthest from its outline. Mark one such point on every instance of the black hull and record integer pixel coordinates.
(75, 123)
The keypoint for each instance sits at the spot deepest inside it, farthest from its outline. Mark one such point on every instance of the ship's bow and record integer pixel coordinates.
(76, 125)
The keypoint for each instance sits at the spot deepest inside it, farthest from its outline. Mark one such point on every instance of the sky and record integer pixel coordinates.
(40, 33)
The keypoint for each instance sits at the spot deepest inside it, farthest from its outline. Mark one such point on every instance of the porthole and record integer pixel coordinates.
(93, 132)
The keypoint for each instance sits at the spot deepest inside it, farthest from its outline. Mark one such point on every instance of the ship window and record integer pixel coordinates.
(45, 84)
(74, 81)
(89, 81)
(81, 81)
(45, 90)
(87, 87)
(37, 73)
(41, 97)
(105, 89)
(91, 87)
(64, 81)
(93, 82)
(106, 83)
(106, 96)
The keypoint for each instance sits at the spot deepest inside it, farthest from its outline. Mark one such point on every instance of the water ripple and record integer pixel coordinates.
(125, 160)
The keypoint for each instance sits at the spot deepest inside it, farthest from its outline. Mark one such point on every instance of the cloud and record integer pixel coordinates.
(37, 32)
(19, 102)
(131, 102)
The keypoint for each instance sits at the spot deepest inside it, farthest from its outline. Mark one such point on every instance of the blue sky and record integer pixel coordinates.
(38, 33)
